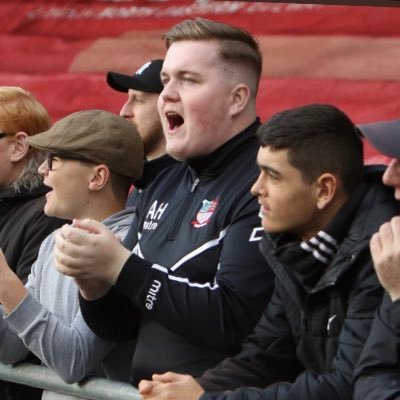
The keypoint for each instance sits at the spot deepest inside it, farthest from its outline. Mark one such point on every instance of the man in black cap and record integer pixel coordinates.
(377, 375)
(143, 89)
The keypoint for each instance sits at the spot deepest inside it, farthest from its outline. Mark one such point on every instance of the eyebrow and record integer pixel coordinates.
(269, 169)
(181, 73)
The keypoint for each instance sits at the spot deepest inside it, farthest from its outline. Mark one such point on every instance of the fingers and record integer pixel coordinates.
(75, 234)
(3, 261)
(89, 225)
(375, 246)
(385, 252)
(386, 239)
(395, 225)
(70, 243)
(88, 251)
(168, 377)
(145, 387)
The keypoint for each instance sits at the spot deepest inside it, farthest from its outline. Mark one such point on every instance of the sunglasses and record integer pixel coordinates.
(64, 156)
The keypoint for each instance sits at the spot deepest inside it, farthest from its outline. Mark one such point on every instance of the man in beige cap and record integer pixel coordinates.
(93, 157)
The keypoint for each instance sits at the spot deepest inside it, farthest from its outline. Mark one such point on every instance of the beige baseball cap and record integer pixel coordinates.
(100, 136)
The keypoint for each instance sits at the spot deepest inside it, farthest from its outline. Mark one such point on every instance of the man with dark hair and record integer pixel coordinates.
(143, 89)
(196, 283)
(377, 375)
(319, 210)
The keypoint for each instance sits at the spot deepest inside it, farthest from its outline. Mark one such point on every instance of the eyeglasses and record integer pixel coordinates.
(5, 134)
(65, 156)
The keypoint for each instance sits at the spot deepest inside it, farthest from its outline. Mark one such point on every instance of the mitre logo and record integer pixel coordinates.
(204, 215)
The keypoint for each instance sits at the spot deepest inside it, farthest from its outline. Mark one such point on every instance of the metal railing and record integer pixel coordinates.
(91, 388)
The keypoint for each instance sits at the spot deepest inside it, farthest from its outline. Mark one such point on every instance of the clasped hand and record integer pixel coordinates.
(89, 252)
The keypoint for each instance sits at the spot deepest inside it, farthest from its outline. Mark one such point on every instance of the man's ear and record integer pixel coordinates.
(100, 177)
(20, 146)
(326, 190)
(240, 95)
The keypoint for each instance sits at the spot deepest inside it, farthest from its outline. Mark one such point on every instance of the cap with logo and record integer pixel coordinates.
(384, 136)
(100, 136)
(146, 79)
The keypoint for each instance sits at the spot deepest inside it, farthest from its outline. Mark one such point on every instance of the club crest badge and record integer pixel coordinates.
(204, 215)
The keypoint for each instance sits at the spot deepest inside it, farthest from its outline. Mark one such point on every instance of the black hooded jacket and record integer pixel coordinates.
(377, 376)
(23, 227)
(308, 341)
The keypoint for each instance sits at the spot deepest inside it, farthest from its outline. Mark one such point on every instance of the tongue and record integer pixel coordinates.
(175, 121)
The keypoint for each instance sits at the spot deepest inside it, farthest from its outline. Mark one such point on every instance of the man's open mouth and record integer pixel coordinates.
(174, 120)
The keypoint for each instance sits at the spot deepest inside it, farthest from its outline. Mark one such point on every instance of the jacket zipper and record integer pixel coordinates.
(188, 198)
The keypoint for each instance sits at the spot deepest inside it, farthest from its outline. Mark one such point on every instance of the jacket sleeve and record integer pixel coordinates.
(218, 313)
(270, 344)
(112, 317)
(12, 349)
(378, 375)
(334, 383)
(71, 351)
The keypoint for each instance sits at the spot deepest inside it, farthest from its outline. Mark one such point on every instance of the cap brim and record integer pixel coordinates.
(41, 141)
(384, 136)
(122, 83)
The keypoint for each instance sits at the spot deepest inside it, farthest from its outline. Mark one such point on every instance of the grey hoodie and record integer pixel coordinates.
(48, 323)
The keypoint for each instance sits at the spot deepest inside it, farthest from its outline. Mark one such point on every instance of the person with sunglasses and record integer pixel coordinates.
(92, 159)
(23, 224)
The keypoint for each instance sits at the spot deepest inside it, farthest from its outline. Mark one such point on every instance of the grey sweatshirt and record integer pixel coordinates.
(48, 323)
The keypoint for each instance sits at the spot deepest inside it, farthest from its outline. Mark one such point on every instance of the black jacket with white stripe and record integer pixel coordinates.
(308, 341)
(196, 284)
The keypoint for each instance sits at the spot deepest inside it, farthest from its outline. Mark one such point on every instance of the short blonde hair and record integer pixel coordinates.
(20, 111)
(237, 46)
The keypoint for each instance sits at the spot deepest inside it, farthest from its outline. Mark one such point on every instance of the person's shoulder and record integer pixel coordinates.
(378, 194)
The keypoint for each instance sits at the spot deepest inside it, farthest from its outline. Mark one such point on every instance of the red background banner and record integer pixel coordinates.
(345, 55)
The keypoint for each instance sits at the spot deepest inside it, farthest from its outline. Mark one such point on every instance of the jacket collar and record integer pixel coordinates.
(213, 164)
(360, 227)
(23, 194)
(153, 168)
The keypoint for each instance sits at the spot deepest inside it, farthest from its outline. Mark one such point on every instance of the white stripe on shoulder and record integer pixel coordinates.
(315, 252)
(327, 237)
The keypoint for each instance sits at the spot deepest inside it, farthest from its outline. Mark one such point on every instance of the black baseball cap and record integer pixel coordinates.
(384, 136)
(145, 79)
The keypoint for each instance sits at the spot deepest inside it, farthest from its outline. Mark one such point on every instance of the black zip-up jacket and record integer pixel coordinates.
(307, 344)
(377, 376)
(150, 171)
(196, 276)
